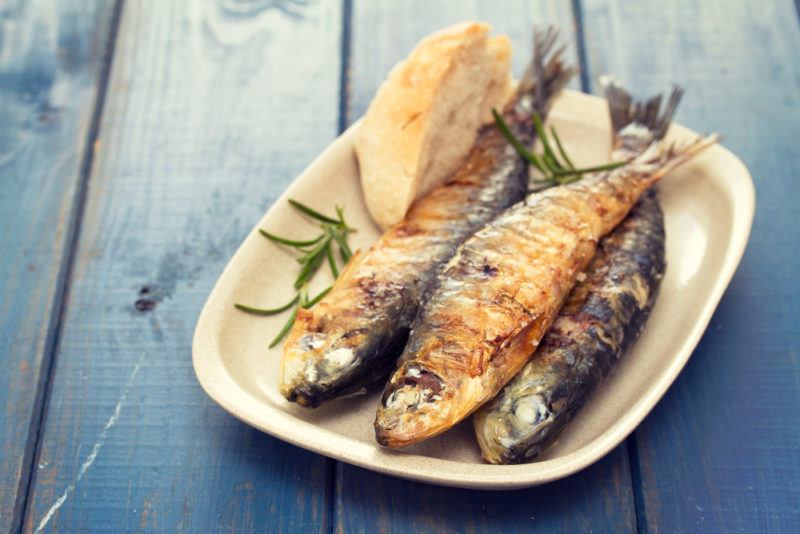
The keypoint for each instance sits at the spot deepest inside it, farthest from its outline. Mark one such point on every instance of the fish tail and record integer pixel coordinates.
(659, 160)
(647, 114)
(676, 155)
(547, 73)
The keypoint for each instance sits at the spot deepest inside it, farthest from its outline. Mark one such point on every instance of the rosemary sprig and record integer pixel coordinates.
(313, 253)
(553, 169)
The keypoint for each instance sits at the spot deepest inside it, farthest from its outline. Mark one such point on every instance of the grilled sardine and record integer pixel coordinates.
(351, 339)
(496, 297)
(601, 318)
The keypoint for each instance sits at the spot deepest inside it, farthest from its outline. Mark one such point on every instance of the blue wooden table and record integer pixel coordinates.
(141, 139)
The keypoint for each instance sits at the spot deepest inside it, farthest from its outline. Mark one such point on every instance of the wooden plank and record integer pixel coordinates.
(212, 109)
(384, 33)
(600, 498)
(51, 58)
(721, 452)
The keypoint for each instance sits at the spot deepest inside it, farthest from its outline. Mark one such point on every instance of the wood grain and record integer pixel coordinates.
(384, 33)
(721, 452)
(212, 109)
(51, 59)
(599, 499)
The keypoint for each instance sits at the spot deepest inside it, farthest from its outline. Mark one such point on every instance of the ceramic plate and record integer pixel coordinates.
(708, 205)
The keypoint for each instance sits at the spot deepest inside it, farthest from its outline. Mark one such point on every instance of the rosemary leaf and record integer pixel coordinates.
(285, 329)
(310, 268)
(542, 135)
(561, 149)
(331, 261)
(305, 258)
(511, 138)
(267, 311)
(552, 164)
(344, 249)
(312, 302)
(340, 214)
(289, 242)
(314, 214)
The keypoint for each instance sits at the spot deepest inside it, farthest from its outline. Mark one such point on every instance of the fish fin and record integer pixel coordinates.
(547, 74)
(625, 111)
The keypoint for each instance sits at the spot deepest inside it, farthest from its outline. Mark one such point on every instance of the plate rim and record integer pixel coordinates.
(216, 381)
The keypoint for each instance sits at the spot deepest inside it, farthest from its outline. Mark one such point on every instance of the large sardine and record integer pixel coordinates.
(351, 339)
(601, 318)
(497, 296)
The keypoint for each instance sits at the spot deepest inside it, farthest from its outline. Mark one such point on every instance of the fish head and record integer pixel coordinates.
(319, 364)
(411, 408)
(314, 362)
(513, 428)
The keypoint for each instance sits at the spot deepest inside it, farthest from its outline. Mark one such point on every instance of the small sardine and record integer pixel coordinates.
(495, 298)
(351, 339)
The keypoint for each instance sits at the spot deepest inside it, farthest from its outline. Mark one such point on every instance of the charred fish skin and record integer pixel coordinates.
(602, 317)
(351, 339)
(494, 299)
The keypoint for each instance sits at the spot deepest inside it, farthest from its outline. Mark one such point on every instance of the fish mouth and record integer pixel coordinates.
(317, 367)
(514, 434)
(411, 408)
(307, 395)
(310, 375)
(313, 377)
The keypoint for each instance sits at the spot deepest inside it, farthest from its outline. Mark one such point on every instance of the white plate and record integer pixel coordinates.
(708, 205)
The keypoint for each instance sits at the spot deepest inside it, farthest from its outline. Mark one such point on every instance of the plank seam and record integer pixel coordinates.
(60, 297)
(797, 8)
(630, 443)
(580, 45)
(332, 466)
(637, 482)
(344, 73)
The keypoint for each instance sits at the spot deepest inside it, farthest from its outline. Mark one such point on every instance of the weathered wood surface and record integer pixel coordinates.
(721, 452)
(212, 109)
(51, 60)
(599, 499)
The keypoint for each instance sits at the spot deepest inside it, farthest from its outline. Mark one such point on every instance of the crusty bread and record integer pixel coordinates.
(425, 116)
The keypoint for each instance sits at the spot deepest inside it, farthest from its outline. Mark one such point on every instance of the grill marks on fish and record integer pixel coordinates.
(477, 332)
(379, 292)
(601, 318)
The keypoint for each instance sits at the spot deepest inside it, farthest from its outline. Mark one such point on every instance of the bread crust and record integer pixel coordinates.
(425, 116)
